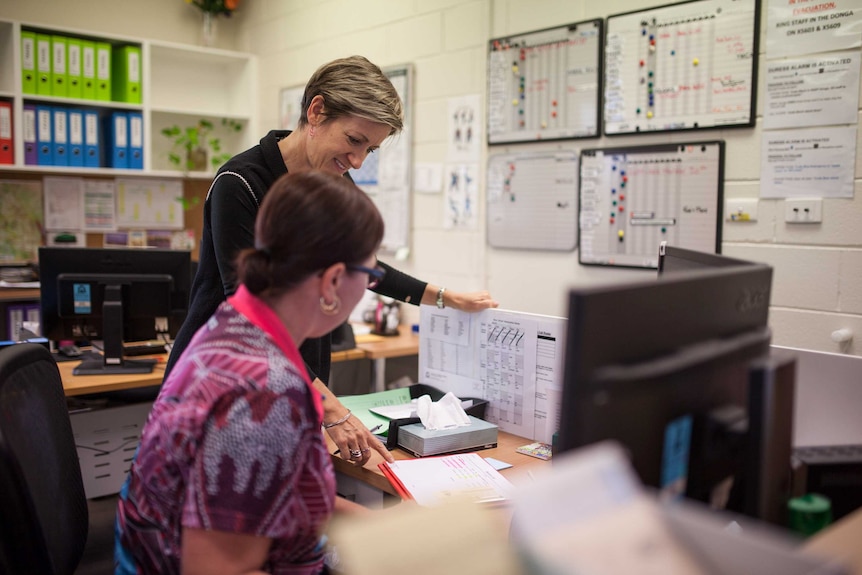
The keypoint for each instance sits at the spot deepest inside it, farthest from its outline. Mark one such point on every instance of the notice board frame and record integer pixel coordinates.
(589, 198)
(721, 83)
(506, 97)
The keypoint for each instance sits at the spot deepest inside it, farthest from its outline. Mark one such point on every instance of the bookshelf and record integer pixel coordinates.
(180, 84)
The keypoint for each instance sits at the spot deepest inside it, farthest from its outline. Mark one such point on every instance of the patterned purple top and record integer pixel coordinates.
(233, 443)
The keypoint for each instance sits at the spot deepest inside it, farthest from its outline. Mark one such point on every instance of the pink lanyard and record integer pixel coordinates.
(265, 318)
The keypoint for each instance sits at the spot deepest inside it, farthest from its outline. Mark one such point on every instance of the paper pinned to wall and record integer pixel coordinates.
(64, 203)
(150, 203)
(817, 162)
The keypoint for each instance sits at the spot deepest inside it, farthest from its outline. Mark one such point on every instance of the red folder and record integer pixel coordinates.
(7, 152)
(396, 483)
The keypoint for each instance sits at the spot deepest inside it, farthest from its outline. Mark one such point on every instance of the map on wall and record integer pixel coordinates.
(21, 221)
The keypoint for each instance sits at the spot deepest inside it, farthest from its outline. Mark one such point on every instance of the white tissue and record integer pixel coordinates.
(444, 414)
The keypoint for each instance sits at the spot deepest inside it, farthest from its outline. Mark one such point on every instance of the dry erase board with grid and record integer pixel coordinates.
(532, 200)
(545, 85)
(682, 67)
(633, 198)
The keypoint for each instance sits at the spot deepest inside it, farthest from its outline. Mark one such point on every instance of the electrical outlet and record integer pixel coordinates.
(803, 211)
(740, 209)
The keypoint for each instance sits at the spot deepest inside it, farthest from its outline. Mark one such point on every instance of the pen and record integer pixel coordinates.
(376, 428)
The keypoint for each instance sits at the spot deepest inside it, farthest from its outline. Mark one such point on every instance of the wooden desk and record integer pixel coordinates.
(371, 475)
(84, 384)
(379, 348)
(19, 294)
(376, 350)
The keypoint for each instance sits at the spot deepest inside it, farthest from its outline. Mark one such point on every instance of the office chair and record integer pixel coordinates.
(43, 508)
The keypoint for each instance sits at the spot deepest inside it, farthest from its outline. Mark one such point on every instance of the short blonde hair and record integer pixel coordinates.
(356, 87)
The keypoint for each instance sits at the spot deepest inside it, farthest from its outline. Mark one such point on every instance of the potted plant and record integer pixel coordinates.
(193, 144)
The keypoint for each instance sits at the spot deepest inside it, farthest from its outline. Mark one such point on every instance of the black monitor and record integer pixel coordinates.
(672, 259)
(115, 295)
(678, 371)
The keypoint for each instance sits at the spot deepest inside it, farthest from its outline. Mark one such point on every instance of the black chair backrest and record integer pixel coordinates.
(43, 508)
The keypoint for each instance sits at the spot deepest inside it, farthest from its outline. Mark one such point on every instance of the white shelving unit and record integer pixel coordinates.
(181, 84)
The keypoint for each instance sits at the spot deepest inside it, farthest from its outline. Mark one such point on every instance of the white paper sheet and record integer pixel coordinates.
(514, 360)
(817, 162)
(812, 91)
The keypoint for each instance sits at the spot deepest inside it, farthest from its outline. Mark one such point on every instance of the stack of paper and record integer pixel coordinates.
(433, 480)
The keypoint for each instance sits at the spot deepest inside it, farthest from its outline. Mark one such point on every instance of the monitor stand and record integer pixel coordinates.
(112, 362)
(127, 367)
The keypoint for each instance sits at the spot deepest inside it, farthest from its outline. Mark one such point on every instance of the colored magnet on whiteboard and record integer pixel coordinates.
(649, 114)
(515, 102)
(695, 61)
(515, 68)
(544, 124)
(554, 114)
(642, 62)
(621, 234)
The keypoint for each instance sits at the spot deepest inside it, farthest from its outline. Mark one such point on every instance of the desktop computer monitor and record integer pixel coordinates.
(678, 371)
(114, 295)
(672, 259)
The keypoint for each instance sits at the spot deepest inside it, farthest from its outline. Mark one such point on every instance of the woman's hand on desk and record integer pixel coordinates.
(355, 443)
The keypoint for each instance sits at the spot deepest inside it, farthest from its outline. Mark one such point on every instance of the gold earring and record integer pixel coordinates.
(330, 308)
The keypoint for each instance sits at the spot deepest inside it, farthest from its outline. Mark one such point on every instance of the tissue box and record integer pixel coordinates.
(421, 442)
(476, 410)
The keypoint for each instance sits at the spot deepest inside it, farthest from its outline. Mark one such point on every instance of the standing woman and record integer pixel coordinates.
(348, 109)
(232, 474)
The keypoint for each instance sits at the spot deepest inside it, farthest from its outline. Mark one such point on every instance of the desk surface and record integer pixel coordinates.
(84, 384)
(19, 294)
(371, 475)
(403, 344)
(381, 347)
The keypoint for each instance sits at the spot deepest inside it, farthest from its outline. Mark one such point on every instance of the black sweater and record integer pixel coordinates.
(229, 213)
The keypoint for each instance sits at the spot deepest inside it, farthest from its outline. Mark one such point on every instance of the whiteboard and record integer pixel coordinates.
(545, 85)
(682, 67)
(385, 174)
(532, 200)
(633, 198)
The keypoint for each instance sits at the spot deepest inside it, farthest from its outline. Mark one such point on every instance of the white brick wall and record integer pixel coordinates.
(818, 268)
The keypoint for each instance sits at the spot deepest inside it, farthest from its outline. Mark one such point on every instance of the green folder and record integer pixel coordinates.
(28, 62)
(103, 71)
(43, 64)
(88, 70)
(73, 47)
(126, 74)
(59, 67)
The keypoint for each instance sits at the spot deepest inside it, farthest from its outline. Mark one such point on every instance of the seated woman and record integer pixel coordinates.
(232, 474)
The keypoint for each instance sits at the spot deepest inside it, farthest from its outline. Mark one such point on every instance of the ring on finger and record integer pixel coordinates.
(355, 453)
(366, 450)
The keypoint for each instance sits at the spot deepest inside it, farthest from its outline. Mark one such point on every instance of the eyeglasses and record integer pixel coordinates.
(375, 274)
